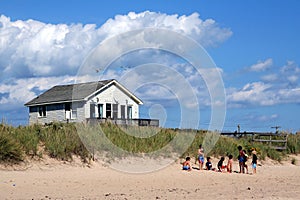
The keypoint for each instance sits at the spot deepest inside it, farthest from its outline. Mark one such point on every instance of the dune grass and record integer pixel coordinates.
(62, 141)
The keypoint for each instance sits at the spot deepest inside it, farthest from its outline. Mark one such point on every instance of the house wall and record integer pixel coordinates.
(111, 95)
(55, 113)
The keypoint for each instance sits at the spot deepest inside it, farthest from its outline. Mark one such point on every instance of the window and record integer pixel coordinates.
(71, 111)
(92, 110)
(67, 106)
(33, 109)
(42, 111)
(129, 112)
(122, 112)
(108, 110)
(115, 111)
(74, 113)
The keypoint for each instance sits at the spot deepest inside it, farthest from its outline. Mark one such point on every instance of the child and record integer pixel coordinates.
(186, 165)
(209, 165)
(241, 159)
(220, 165)
(254, 161)
(245, 160)
(229, 164)
(200, 157)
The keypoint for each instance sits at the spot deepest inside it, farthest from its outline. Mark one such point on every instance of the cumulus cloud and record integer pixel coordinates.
(207, 32)
(252, 93)
(261, 65)
(35, 56)
(19, 91)
(270, 77)
(261, 94)
(261, 118)
(279, 86)
(33, 48)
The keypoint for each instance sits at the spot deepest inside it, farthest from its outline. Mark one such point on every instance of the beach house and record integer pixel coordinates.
(86, 102)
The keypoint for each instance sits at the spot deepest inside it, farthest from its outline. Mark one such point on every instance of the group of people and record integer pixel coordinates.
(242, 158)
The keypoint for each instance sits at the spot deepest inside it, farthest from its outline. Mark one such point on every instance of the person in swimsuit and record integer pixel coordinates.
(241, 159)
(186, 165)
(200, 157)
(220, 165)
(254, 161)
(229, 164)
(245, 161)
(209, 164)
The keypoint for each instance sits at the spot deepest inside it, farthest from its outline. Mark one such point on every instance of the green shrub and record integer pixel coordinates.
(10, 150)
(28, 138)
(62, 141)
(293, 143)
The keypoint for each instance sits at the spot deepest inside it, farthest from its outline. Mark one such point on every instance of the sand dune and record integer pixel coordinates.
(54, 180)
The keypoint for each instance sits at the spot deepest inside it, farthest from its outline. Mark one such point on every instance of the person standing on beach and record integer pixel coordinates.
(241, 159)
(200, 157)
(245, 161)
(254, 161)
(229, 164)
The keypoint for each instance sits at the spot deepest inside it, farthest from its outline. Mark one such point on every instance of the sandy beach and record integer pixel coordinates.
(57, 180)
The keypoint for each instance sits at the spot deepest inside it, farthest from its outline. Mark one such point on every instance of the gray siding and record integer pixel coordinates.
(55, 113)
(80, 111)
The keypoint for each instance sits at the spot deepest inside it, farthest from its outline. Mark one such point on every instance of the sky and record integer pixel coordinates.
(254, 45)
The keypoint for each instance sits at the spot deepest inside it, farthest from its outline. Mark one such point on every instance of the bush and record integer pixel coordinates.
(10, 150)
(293, 143)
(61, 141)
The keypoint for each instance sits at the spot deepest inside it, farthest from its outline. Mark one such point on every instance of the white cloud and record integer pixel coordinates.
(289, 95)
(280, 86)
(292, 78)
(270, 77)
(32, 48)
(261, 118)
(290, 67)
(267, 118)
(253, 93)
(261, 94)
(207, 32)
(20, 91)
(35, 56)
(261, 65)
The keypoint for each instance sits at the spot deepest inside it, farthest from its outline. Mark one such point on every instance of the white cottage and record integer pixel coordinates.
(83, 102)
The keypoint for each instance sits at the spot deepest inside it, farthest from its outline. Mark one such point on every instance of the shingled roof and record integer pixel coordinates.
(68, 93)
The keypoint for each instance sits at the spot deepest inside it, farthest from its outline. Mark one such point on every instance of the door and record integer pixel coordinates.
(115, 111)
(92, 110)
(129, 112)
(122, 112)
(108, 110)
(67, 111)
(100, 111)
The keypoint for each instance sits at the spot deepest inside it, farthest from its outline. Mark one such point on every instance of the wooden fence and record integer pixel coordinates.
(277, 141)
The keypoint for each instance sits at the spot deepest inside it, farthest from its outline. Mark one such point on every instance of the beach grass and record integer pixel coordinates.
(61, 141)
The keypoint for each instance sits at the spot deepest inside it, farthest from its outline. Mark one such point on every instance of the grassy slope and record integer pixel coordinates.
(61, 141)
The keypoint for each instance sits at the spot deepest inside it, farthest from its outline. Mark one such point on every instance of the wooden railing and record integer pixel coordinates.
(133, 122)
(275, 140)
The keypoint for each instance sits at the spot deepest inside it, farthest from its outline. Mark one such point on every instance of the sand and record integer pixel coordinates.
(56, 180)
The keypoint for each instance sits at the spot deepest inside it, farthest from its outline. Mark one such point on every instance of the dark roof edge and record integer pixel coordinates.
(53, 102)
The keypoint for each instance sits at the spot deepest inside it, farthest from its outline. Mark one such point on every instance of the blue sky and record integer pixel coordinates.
(255, 45)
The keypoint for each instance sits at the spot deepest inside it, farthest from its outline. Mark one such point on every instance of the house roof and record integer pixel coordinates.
(76, 92)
